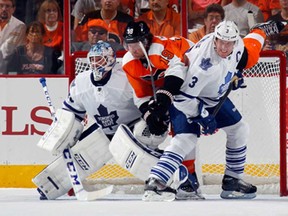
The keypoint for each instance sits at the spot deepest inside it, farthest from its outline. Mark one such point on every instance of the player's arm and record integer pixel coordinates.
(254, 41)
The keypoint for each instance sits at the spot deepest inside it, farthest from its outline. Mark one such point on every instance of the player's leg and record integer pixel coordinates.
(237, 130)
(181, 144)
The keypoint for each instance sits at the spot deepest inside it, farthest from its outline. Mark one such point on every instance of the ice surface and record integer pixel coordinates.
(25, 202)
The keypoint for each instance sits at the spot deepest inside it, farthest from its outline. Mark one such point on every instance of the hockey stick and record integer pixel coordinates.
(149, 67)
(80, 192)
(224, 97)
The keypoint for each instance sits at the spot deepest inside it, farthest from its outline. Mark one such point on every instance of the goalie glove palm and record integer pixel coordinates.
(270, 28)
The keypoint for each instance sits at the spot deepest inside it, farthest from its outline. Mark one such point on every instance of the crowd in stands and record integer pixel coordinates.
(22, 21)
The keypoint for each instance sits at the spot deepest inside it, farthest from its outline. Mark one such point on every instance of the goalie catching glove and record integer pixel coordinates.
(157, 116)
(271, 27)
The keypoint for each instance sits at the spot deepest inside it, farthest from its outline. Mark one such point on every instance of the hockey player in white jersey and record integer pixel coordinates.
(103, 93)
(213, 62)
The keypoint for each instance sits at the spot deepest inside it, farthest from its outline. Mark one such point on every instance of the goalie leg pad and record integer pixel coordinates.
(90, 154)
(65, 130)
(142, 133)
(132, 155)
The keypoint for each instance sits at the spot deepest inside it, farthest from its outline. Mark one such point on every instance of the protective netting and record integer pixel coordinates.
(259, 105)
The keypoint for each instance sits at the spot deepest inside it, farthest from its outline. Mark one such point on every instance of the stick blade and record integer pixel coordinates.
(93, 195)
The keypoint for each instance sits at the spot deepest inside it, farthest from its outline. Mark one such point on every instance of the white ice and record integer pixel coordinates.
(25, 202)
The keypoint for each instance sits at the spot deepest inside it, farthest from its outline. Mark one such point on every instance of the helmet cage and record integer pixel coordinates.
(101, 66)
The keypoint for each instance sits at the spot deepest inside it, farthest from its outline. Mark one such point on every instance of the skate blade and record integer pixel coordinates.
(191, 197)
(236, 195)
(150, 196)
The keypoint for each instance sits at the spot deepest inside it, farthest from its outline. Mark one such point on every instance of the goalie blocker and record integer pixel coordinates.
(90, 152)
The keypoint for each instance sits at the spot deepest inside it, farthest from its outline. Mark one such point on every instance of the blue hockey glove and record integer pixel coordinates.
(239, 82)
(205, 119)
(209, 124)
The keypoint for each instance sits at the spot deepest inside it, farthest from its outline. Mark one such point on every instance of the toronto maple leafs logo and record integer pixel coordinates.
(158, 74)
(105, 119)
(205, 63)
(223, 88)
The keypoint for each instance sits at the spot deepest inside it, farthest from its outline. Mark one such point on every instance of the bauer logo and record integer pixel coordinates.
(130, 160)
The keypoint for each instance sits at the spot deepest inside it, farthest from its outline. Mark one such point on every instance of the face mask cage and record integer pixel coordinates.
(101, 59)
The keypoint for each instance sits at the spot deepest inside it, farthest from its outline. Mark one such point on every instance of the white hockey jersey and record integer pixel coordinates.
(110, 104)
(208, 76)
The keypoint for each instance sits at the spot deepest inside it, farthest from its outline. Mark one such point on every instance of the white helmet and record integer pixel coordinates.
(103, 65)
(227, 30)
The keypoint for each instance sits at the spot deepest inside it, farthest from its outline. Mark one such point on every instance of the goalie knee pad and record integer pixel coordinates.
(142, 133)
(90, 154)
(65, 130)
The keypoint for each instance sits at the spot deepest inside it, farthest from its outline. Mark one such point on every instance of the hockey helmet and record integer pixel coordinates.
(104, 64)
(227, 30)
(136, 32)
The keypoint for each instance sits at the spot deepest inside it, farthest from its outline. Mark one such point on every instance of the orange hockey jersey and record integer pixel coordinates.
(167, 58)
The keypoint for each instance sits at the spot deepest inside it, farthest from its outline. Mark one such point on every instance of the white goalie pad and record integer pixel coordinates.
(130, 154)
(142, 134)
(90, 154)
(65, 130)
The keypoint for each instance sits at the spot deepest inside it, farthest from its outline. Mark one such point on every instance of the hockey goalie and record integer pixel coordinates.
(103, 93)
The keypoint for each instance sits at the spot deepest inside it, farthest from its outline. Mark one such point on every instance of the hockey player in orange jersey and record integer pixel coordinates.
(156, 68)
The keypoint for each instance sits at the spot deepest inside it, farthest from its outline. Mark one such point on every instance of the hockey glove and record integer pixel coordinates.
(239, 81)
(157, 116)
(157, 125)
(208, 123)
(270, 28)
(206, 120)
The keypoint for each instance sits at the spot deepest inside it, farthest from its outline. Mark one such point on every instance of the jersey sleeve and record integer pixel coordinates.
(71, 102)
(253, 43)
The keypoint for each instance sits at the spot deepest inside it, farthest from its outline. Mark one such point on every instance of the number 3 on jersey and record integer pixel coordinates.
(193, 82)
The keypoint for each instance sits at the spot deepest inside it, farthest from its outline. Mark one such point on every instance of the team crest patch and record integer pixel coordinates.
(105, 119)
(205, 64)
(223, 88)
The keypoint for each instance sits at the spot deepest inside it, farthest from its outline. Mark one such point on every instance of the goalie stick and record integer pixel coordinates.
(80, 193)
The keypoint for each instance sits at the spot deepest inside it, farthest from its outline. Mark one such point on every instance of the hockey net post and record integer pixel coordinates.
(263, 106)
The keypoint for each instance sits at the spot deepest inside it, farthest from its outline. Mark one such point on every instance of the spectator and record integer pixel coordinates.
(238, 11)
(32, 8)
(97, 31)
(115, 19)
(83, 7)
(279, 41)
(12, 32)
(162, 20)
(50, 16)
(34, 57)
(196, 9)
(268, 7)
(213, 15)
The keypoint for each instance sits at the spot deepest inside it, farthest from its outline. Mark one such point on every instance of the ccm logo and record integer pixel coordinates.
(130, 160)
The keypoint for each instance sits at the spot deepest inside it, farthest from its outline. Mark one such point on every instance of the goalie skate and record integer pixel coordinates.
(237, 189)
(190, 190)
(156, 190)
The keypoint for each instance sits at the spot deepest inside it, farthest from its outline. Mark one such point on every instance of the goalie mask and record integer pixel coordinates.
(101, 59)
